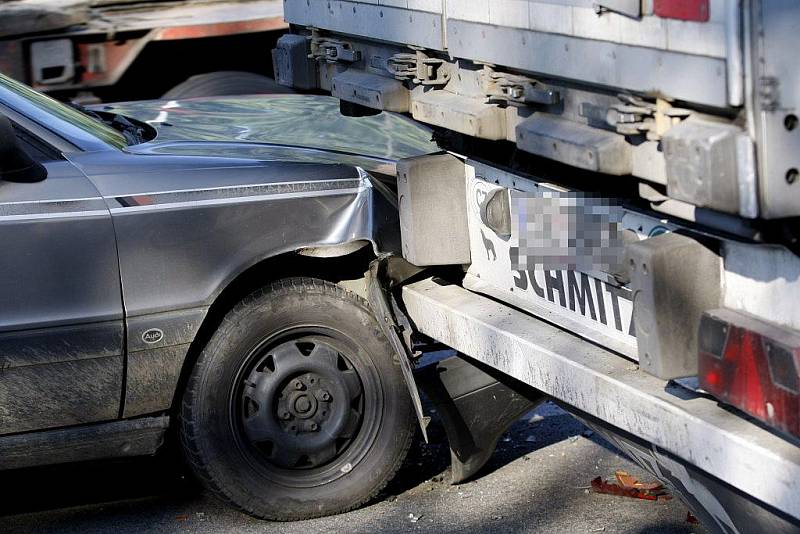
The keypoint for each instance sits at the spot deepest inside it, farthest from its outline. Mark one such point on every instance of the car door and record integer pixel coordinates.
(61, 318)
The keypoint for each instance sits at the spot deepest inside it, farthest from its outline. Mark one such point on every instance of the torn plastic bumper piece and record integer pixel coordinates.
(476, 409)
(385, 273)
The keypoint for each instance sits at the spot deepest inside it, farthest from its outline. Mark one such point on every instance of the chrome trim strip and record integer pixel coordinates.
(234, 200)
(57, 215)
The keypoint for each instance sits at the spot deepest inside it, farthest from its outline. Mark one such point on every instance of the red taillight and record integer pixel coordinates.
(696, 10)
(751, 365)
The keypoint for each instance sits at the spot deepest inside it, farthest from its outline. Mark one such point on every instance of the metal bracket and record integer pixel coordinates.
(333, 50)
(630, 8)
(419, 68)
(520, 89)
(430, 71)
(636, 116)
(402, 66)
(384, 273)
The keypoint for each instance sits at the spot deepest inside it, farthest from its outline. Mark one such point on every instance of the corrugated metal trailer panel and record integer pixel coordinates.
(570, 39)
(724, 70)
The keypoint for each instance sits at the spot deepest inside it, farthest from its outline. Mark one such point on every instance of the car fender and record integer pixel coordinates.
(187, 228)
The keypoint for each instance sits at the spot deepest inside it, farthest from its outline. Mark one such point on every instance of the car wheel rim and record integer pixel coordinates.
(299, 405)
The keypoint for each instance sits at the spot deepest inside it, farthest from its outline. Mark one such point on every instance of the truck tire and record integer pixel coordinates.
(224, 83)
(297, 408)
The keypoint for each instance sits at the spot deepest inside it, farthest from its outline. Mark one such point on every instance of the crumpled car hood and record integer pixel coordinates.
(273, 127)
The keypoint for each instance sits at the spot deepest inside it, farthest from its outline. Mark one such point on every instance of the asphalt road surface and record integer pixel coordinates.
(537, 481)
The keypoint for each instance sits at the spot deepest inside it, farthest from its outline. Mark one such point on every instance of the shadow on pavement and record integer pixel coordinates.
(81, 484)
(165, 479)
(432, 460)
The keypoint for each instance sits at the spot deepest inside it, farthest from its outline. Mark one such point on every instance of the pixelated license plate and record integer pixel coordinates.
(555, 261)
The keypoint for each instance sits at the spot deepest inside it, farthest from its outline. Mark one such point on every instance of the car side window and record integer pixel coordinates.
(35, 147)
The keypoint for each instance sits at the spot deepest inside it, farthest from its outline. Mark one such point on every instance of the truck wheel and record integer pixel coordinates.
(225, 83)
(297, 408)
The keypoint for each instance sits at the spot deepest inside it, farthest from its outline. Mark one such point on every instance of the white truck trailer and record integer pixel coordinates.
(612, 222)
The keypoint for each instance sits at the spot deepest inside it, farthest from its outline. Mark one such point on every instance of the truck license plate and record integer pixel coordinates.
(586, 302)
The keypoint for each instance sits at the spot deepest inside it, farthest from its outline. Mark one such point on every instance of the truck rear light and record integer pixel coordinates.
(751, 365)
(696, 10)
(781, 366)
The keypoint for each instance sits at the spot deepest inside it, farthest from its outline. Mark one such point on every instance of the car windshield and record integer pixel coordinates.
(75, 117)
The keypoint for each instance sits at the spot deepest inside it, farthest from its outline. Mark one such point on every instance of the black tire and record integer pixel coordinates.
(297, 343)
(224, 83)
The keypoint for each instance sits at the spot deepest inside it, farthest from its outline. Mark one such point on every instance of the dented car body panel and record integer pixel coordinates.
(183, 240)
(295, 121)
(181, 217)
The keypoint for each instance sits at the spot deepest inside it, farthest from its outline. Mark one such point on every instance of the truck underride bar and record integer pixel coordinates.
(607, 386)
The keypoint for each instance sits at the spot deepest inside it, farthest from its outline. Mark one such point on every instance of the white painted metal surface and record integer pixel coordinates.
(579, 18)
(606, 386)
(565, 38)
(52, 54)
(763, 281)
(590, 304)
(388, 21)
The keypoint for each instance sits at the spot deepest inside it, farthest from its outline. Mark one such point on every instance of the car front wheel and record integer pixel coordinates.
(296, 408)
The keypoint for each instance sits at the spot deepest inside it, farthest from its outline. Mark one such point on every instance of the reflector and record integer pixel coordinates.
(781, 366)
(751, 365)
(696, 10)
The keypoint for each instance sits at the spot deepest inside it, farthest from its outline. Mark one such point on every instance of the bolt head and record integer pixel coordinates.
(298, 385)
(325, 396)
(302, 404)
(286, 415)
(313, 426)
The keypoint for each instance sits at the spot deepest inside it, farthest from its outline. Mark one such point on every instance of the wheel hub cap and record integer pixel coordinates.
(301, 403)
